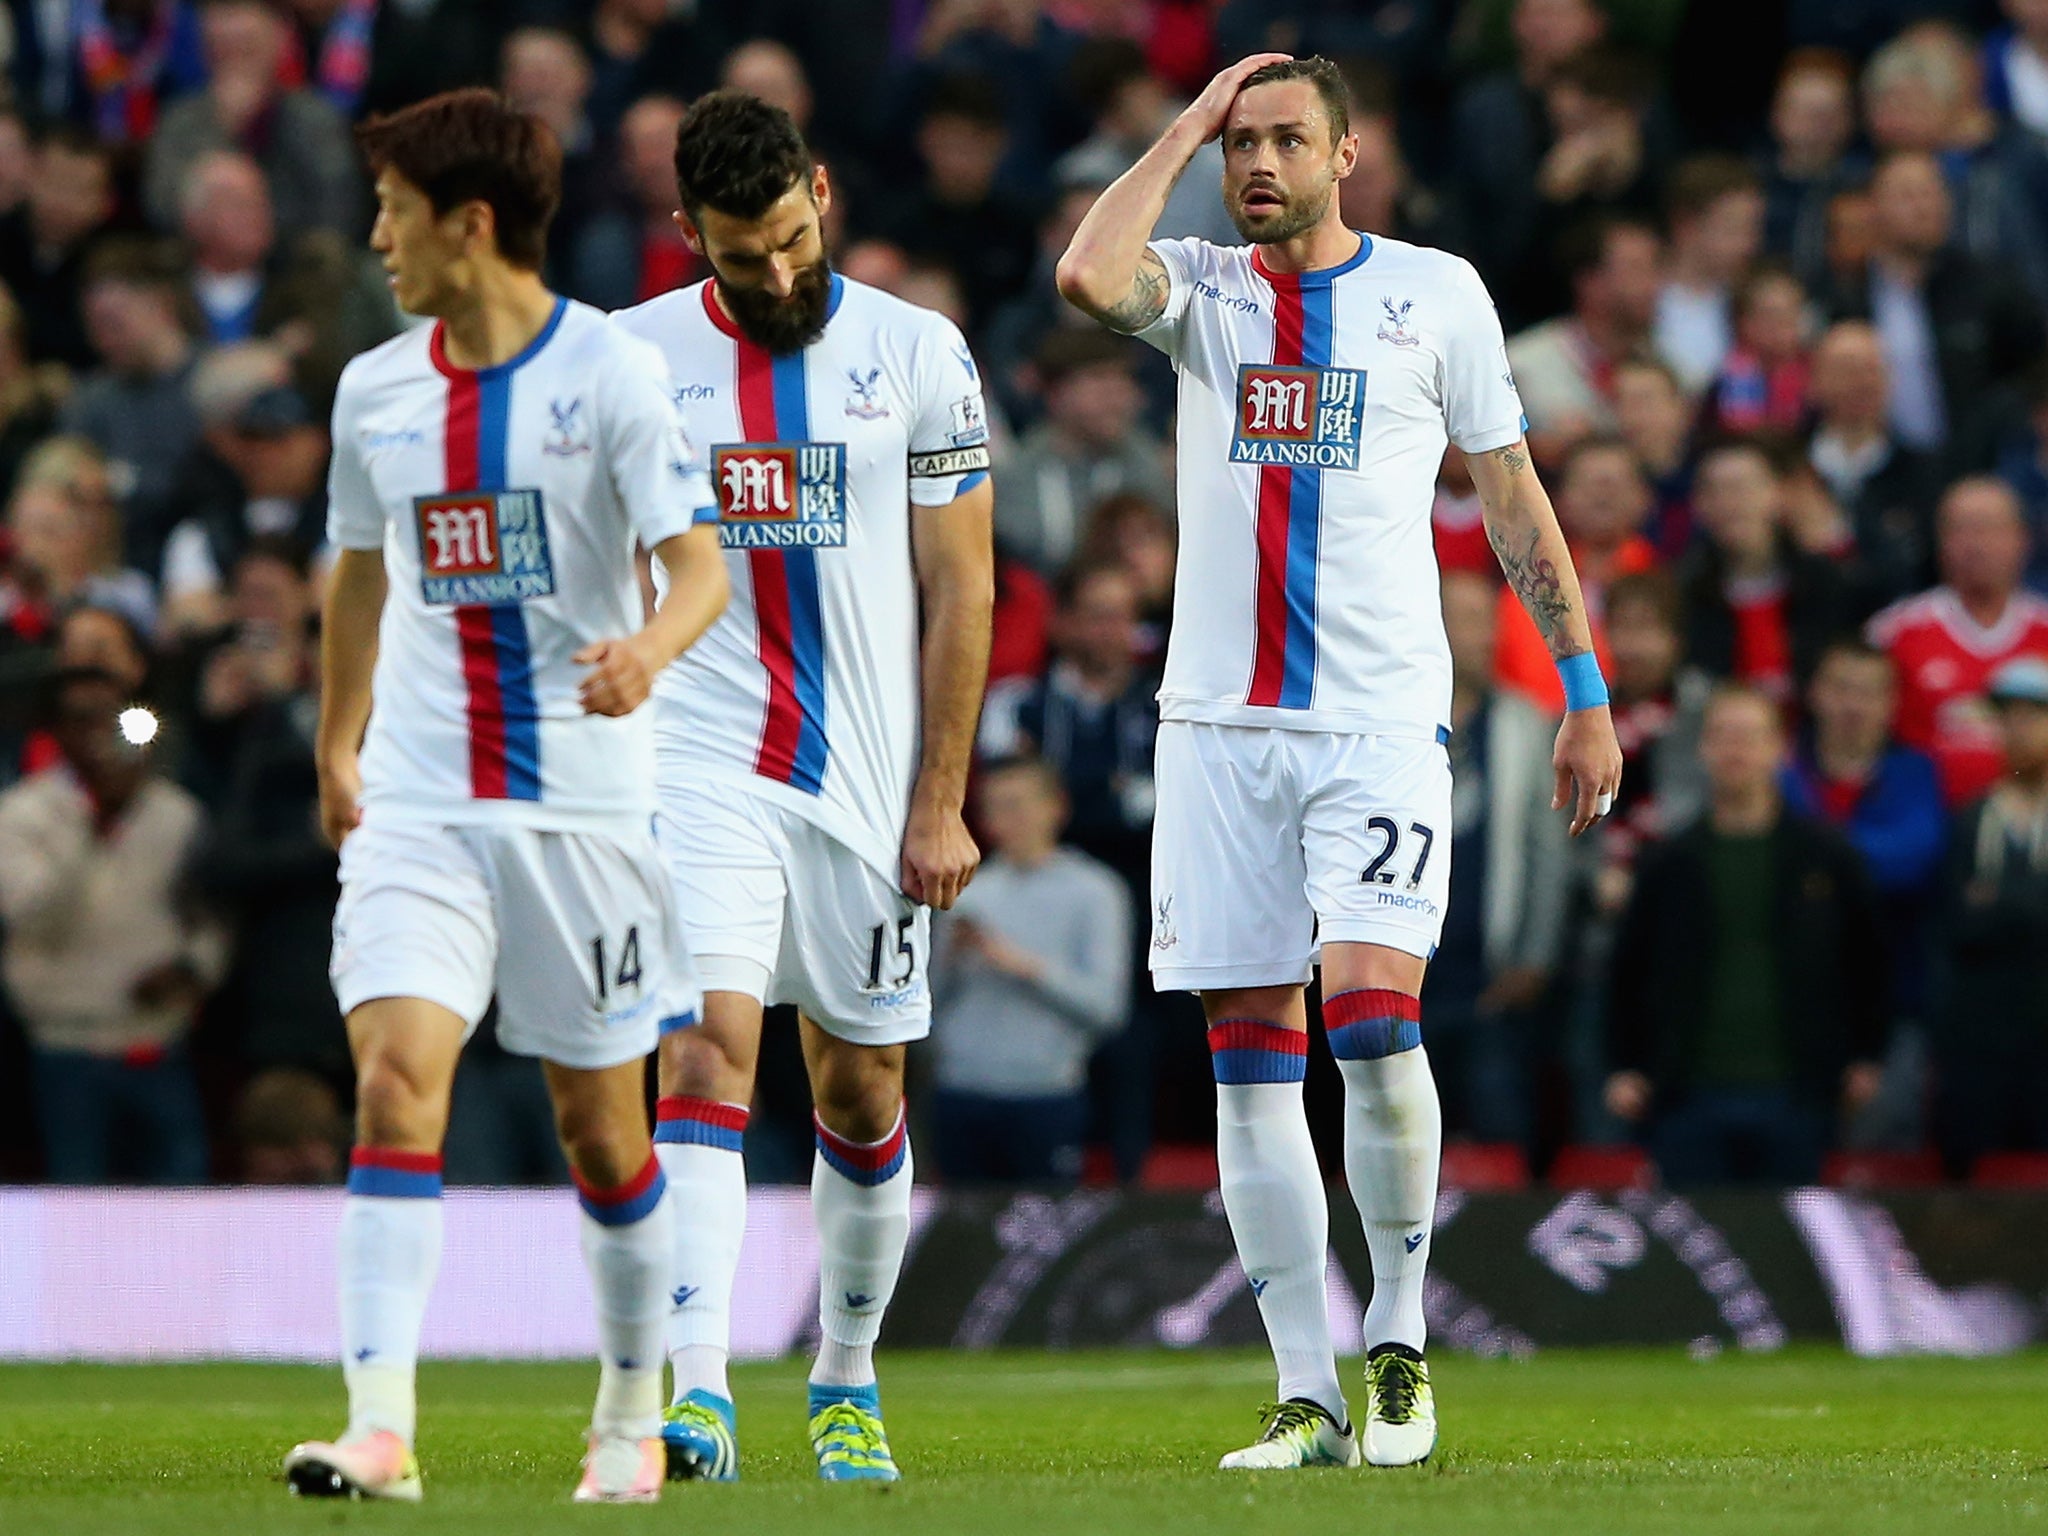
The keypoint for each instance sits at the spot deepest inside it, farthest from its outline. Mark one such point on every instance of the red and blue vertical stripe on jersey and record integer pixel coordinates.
(497, 656)
(775, 408)
(1290, 513)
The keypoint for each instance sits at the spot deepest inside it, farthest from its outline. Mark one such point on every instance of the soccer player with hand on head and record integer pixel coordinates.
(1304, 793)
(491, 477)
(814, 749)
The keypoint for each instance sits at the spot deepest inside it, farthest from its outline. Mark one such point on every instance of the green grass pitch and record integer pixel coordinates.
(1584, 1443)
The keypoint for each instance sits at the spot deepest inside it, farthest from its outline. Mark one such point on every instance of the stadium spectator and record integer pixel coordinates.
(1131, 107)
(1602, 502)
(1092, 719)
(1657, 700)
(260, 469)
(1133, 533)
(1395, 36)
(1762, 384)
(1759, 608)
(1947, 641)
(17, 159)
(1990, 1050)
(301, 142)
(289, 1129)
(544, 70)
(956, 213)
(1499, 134)
(2023, 465)
(1923, 93)
(31, 394)
(1885, 490)
(1654, 418)
(105, 961)
(1952, 328)
(370, 56)
(265, 867)
(318, 298)
(1715, 212)
(2016, 67)
(632, 251)
(1457, 521)
(1021, 625)
(638, 48)
(1383, 197)
(765, 68)
(127, 60)
(1811, 159)
(1564, 367)
(1599, 163)
(1749, 994)
(1090, 446)
(1504, 923)
(67, 549)
(44, 241)
(1031, 973)
(1885, 798)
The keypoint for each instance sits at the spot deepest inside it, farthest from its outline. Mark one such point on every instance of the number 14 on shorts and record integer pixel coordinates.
(617, 975)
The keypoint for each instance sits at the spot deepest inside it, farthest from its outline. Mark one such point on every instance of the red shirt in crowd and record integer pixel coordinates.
(1945, 660)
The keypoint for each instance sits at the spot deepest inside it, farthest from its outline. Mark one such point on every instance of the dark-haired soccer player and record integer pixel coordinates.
(813, 750)
(491, 476)
(1304, 790)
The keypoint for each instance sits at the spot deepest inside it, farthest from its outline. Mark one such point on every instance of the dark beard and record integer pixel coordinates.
(786, 325)
(1295, 218)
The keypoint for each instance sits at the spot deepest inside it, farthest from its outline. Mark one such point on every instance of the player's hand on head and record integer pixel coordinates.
(1211, 107)
(1588, 766)
(939, 855)
(621, 676)
(341, 792)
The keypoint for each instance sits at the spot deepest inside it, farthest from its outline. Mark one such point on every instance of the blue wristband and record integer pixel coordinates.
(1584, 687)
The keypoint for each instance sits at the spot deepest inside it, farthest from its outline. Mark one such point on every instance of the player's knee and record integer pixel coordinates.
(395, 1107)
(859, 1090)
(705, 1063)
(604, 1153)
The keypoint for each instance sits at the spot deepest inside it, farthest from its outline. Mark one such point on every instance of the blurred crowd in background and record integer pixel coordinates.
(1773, 274)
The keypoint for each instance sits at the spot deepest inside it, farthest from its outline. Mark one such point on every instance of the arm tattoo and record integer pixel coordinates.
(1514, 458)
(1534, 578)
(1146, 301)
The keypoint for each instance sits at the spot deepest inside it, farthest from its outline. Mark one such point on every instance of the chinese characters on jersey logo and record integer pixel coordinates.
(781, 495)
(1302, 416)
(483, 547)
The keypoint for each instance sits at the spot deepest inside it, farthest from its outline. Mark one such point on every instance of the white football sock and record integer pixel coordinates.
(1273, 1195)
(1393, 1143)
(860, 1200)
(628, 1242)
(698, 1142)
(389, 1250)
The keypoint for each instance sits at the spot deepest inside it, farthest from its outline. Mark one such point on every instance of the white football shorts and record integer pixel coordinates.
(778, 909)
(574, 931)
(1269, 842)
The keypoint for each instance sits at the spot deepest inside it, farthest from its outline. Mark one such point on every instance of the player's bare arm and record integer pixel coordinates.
(1107, 270)
(348, 655)
(1522, 528)
(623, 671)
(953, 550)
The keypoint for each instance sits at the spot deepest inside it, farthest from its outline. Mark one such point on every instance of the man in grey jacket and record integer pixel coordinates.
(1030, 973)
(1509, 874)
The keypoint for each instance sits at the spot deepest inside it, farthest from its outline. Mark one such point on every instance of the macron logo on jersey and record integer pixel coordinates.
(781, 495)
(1298, 416)
(485, 547)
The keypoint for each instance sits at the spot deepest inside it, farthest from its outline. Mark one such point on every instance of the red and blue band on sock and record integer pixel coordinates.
(700, 1123)
(1253, 1051)
(626, 1203)
(1371, 1022)
(868, 1163)
(394, 1175)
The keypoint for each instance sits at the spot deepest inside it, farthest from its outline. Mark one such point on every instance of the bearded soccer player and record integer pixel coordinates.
(814, 749)
(1304, 790)
(491, 476)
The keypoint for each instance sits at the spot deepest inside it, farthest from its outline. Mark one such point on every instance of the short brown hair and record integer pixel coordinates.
(1699, 183)
(474, 146)
(1653, 591)
(1323, 75)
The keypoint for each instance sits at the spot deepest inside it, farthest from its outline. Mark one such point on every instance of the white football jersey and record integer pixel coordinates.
(507, 503)
(1314, 410)
(807, 689)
